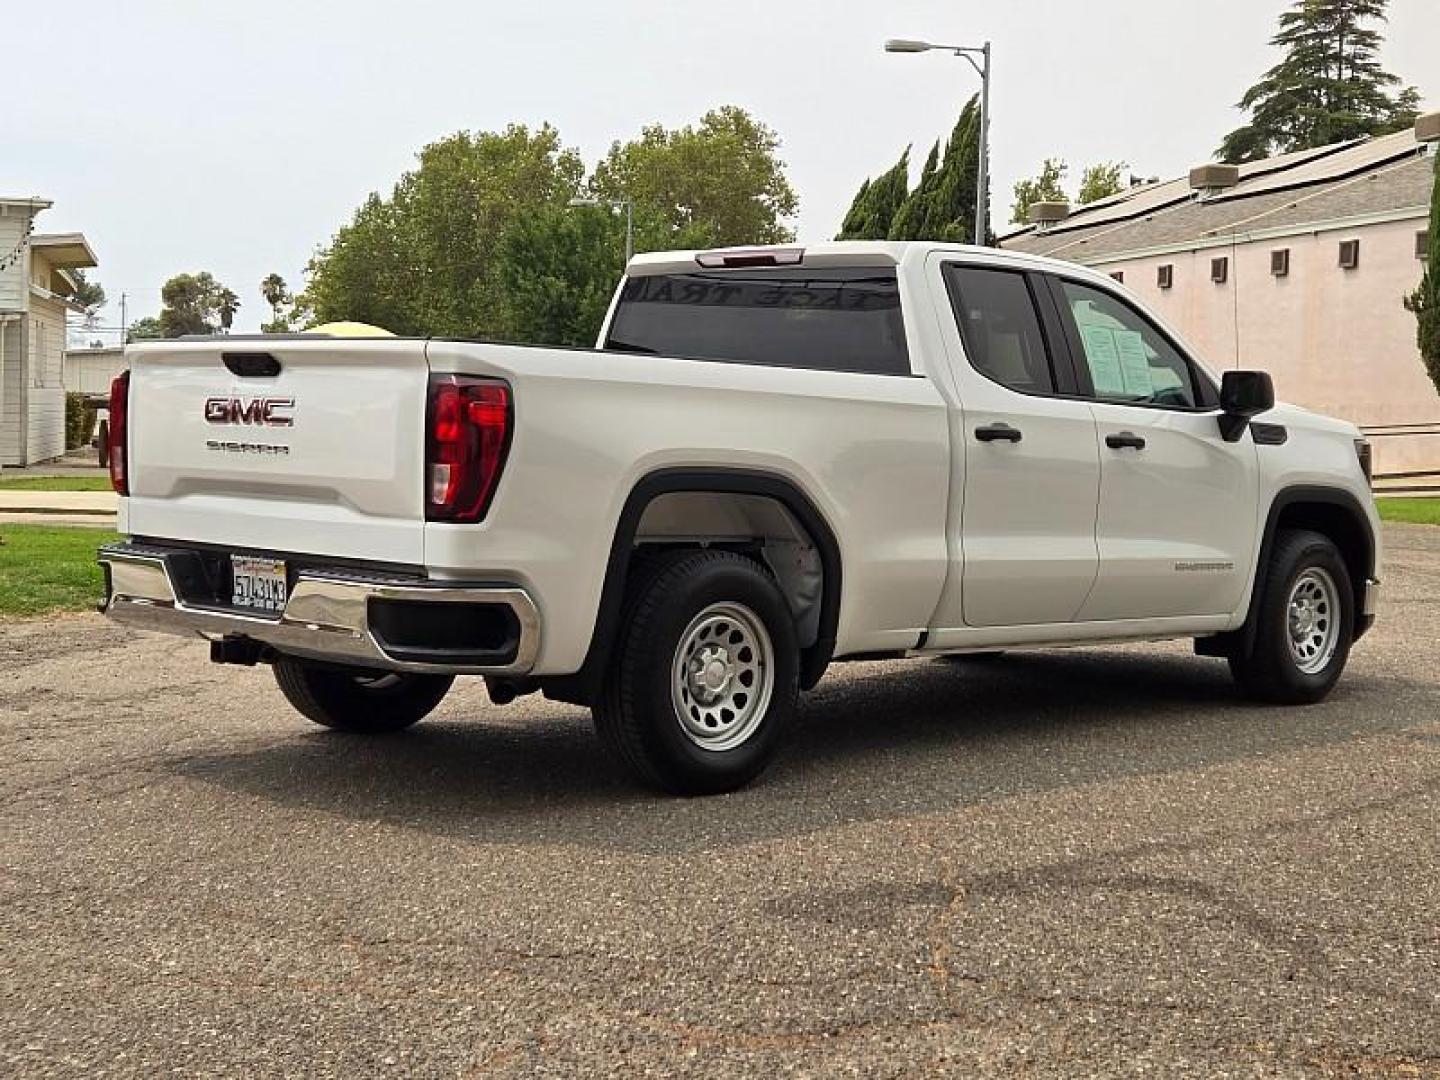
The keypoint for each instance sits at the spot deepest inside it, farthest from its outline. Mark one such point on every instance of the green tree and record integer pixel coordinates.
(423, 260)
(942, 206)
(146, 329)
(1046, 187)
(1328, 86)
(277, 294)
(1102, 180)
(716, 183)
(558, 268)
(193, 304)
(89, 295)
(1425, 302)
(877, 203)
(226, 305)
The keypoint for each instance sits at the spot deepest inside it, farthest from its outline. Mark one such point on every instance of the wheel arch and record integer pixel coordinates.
(1334, 513)
(583, 686)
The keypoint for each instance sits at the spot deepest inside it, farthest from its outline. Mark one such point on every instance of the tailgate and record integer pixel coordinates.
(310, 446)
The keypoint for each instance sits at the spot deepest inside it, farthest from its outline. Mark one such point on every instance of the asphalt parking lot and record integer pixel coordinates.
(1058, 863)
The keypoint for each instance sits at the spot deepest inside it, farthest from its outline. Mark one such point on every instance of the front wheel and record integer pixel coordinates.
(357, 699)
(706, 674)
(1304, 623)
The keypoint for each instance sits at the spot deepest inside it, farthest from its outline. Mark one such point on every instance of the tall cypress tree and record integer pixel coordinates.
(879, 200)
(1328, 87)
(1426, 301)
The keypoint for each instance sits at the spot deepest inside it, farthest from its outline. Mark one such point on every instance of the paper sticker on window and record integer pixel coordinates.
(1104, 358)
(1134, 364)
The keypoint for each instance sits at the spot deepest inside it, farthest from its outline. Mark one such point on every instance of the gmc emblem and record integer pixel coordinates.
(272, 412)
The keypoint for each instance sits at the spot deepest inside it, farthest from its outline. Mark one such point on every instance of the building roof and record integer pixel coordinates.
(65, 250)
(1346, 181)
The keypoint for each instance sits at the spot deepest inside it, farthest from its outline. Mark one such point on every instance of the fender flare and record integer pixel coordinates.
(583, 687)
(1291, 496)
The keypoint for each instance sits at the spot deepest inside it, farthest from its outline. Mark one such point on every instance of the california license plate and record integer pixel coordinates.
(258, 584)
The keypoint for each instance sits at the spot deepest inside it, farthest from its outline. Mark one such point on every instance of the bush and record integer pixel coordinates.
(79, 421)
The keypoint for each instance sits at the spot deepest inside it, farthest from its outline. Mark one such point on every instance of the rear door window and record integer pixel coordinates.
(841, 319)
(1000, 327)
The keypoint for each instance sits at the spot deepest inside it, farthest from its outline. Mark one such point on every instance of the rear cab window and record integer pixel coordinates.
(823, 318)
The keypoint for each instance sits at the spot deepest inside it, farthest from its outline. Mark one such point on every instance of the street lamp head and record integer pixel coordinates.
(578, 201)
(905, 45)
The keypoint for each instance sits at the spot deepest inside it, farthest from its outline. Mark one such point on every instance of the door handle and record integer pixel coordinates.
(998, 433)
(1125, 440)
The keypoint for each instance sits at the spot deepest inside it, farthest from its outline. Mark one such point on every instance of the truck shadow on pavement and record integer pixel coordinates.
(871, 743)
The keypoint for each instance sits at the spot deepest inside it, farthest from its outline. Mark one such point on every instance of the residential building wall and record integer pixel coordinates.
(13, 391)
(45, 428)
(1337, 341)
(90, 371)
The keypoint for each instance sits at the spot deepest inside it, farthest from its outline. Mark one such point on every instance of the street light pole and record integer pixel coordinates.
(982, 68)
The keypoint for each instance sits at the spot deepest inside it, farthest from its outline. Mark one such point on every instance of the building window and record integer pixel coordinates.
(1280, 262)
(1220, 270)
(1118, 275)
(1165, 276)
(1422, 245)
(1349, 254)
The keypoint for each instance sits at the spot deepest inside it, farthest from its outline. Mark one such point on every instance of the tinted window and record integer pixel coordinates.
(1128, 358)
(1000, 329)
(832, 320)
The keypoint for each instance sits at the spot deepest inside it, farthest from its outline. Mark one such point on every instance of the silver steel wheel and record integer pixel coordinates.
(1312, 617)
(722, 677)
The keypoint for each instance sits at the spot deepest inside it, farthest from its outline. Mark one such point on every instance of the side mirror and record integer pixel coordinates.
(1243, 394)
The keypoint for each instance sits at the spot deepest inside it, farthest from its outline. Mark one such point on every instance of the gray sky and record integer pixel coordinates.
(186, 135)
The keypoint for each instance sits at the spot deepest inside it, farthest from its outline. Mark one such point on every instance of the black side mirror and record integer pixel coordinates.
(1243, 394)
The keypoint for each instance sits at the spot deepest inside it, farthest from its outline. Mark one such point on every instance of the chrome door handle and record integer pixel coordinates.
(1125, 440)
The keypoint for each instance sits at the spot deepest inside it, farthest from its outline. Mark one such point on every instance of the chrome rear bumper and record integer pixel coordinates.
(326, 616)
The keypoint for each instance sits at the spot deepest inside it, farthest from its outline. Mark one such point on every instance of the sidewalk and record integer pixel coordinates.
(94, 508)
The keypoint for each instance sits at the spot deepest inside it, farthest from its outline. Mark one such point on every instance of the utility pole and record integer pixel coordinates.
(123, 334)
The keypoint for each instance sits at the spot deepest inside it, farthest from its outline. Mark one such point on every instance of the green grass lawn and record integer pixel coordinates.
(1410, 511)
(55, 483)
(47, 569)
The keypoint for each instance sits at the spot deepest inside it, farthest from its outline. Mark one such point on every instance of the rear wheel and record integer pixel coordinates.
(1304, 622)
(705, 675)
(358, 699)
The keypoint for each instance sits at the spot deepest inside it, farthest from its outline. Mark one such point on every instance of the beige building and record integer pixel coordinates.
(1298, 265)
(35, 291)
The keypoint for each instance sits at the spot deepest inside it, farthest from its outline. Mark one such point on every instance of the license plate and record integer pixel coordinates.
(258, 584)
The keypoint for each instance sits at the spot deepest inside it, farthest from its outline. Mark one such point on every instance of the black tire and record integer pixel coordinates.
(637, 716)
(1272, 672)
(357, 699)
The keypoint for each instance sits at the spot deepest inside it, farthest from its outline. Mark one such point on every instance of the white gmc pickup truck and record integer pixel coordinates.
(774, 460)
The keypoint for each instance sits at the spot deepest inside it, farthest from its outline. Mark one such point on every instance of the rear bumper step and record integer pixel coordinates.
(341, 617)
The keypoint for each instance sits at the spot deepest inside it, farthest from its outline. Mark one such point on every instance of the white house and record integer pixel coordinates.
(35, 290)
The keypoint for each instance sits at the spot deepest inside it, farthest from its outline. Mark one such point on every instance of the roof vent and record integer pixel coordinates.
(1047, 213)
(1427, 128)
(1214, 177)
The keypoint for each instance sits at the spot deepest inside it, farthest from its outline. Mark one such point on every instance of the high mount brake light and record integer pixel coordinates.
(118, 427)
(467, 435)
(740, 258)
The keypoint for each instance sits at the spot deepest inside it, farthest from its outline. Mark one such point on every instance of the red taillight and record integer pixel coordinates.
(118, 442)
(467, 436)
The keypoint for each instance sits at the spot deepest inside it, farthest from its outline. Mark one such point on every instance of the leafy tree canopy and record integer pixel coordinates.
(1328, 86)
(1102, 180)
(192, 304)
(146, 329)
(942, 204)
(712, 184)
(480, 240)
(1046, 187)
(88, 294)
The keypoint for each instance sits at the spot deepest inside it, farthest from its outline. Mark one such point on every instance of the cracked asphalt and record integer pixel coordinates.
(1097, 862)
